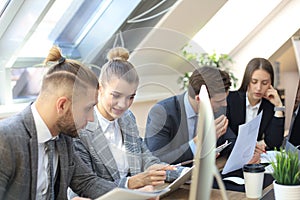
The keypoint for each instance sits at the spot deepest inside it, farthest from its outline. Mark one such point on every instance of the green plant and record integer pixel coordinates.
(184, 80)
(222, 61)
(286, 168)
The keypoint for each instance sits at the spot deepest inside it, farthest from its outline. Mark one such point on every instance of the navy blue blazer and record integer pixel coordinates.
(271, 128)
(167, 131)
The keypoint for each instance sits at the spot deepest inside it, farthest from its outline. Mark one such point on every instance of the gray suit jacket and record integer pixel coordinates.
(93, 148)
(19, 163)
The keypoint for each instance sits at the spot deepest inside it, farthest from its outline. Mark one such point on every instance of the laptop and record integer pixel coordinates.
(184, 178)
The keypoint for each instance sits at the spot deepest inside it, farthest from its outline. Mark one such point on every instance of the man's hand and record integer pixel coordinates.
(80, 198)
(154, 175)
(221, 124)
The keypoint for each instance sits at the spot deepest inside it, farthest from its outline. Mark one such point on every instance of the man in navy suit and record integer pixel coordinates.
(171, 123)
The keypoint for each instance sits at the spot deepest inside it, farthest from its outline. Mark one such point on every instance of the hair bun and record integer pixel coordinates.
(118, 53)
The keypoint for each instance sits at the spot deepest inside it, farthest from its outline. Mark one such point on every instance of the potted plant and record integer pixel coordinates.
(286, 173)
(221, 61)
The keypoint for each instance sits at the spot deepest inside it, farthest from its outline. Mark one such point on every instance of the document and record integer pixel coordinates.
(128, 194)
(268, 157)
(182, 179)
(244, 147)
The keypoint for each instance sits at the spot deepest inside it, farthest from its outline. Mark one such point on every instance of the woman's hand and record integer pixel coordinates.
(273, 96)
(80, 198)
(149, 188)
(255, 159)
(154, 175)
(260, 147)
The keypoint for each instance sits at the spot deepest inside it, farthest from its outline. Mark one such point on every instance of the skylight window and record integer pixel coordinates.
(3, 6)
(39, 43)
(232, 24)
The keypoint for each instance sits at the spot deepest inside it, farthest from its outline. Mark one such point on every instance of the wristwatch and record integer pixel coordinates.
(281, 108)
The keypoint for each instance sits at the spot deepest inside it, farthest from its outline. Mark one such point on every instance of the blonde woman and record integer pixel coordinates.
(111, 144)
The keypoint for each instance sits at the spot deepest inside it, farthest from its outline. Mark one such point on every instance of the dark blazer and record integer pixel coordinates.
(271, 128)
(167, 131)
(19, 163)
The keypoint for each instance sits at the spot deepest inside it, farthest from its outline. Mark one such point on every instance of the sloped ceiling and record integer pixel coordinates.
(155, 43)
(169, 32)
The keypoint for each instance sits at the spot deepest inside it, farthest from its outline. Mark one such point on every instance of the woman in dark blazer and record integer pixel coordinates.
(257, 94)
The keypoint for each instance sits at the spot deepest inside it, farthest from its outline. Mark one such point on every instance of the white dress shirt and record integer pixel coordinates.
(43, 135)
(113, 135)
(251, 111)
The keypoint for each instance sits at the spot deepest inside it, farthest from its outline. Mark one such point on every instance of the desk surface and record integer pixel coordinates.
(183, 192)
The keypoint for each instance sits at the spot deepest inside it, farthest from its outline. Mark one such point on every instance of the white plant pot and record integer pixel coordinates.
(286, 192)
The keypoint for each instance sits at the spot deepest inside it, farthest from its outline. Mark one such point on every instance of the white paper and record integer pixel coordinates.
(269, 169)
(268, 157)
(244, 147)
(128, 194)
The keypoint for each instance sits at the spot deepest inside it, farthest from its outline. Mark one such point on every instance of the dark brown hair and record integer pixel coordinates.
(216, 81)
(253, 65)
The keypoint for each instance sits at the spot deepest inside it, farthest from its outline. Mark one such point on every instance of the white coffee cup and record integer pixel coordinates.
(254, 178)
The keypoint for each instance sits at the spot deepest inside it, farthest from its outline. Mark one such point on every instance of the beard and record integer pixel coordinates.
(66, 125)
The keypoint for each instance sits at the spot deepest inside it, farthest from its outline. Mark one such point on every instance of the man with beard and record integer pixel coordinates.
(171, 123)
(64, 105)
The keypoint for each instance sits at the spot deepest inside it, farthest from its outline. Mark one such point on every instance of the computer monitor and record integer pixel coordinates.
(205, 158)
(293, 139)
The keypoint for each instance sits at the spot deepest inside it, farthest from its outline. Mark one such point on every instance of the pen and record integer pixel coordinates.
(179, 164)
(184, 163)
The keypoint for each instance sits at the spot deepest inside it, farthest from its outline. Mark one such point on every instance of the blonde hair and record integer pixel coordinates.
(119, 66)
(118, 53)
